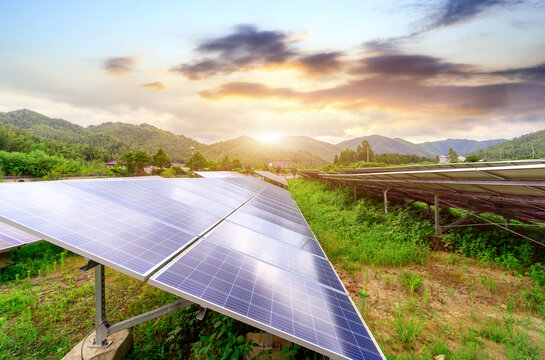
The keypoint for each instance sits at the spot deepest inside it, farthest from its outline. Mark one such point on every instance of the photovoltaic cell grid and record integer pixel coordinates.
(102, 230)
(270, 298)
(134, 224)
(11, 237)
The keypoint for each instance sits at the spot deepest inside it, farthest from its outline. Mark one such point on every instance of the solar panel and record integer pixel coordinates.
(256, 259)
(186, 216)
(272, 177)
(11, 237)
(91, 226)
(218, 174)
(275, 252)
(270, 298)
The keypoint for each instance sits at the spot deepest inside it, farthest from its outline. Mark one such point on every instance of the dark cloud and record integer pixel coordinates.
(456, 11)
(322, 63)
(118, 65)
(158, 85)
(533, 73)
(418, 66)
(245, 47)
(405, 95)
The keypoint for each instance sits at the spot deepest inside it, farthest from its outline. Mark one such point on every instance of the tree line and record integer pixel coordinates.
(364, 153)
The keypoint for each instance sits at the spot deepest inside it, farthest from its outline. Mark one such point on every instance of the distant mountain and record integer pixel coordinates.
(254, 152)
(461, 146)
(118, 138)
(385, 145)
(323, 149)
(517, 148)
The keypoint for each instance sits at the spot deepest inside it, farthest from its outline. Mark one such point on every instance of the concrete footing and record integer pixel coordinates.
(261, 340)
(121, 345)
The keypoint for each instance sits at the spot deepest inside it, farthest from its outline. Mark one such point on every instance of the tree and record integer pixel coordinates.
(161, 159)
(452, 156)
(364, 152)
(197, 161)
(225, 164)
(128, 159)
(472, 158)
(141, 160)
(437, 159)
(336, 159)
(236, 164)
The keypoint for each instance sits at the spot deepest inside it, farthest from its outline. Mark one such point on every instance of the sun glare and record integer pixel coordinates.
(267, 137)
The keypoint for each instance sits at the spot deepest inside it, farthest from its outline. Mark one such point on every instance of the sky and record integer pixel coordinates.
(333, 70)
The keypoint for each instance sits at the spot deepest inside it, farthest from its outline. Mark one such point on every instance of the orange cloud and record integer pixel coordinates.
(158, 85)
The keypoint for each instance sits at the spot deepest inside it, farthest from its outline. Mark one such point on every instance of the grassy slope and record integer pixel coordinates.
(418, 303)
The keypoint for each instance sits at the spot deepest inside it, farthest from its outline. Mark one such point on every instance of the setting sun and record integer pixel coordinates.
(267, 137)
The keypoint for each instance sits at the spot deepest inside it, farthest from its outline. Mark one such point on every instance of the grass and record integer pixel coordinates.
(483, 299)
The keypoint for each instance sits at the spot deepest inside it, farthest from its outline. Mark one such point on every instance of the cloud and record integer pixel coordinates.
(247, 89)
(532, 73)
(158, 85)
(456, 11)
(119, 65)
(321, 63)
(417, 66)
(245, 47)
(401, 95)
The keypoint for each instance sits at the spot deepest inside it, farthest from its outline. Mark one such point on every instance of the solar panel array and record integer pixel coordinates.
(276, 179)
(218, 174)
(11, 237)
(515, 190)
(237, 245)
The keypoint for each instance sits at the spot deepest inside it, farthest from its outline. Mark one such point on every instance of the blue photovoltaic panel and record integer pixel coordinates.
(275, 252)
(276, 232)
(100, 229)
(182, 215)
(275, 219)
(265, 201)
(213, 190)
(11, 237)
(269, 298)
(218, 174)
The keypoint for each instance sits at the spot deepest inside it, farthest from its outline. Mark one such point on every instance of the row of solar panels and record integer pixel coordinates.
(239, 246)
(443, 166)
(513, 191)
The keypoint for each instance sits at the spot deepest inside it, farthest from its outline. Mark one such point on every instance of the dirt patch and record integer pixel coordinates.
(455, 298)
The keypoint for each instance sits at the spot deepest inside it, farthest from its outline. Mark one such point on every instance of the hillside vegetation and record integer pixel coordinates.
(517, 148)
(461, 146)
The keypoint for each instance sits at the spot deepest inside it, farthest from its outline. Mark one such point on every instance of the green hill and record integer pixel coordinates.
(461, 146)
(385, 145)
(256, 153)
(517, 148)
(114, 139)
(323, 149)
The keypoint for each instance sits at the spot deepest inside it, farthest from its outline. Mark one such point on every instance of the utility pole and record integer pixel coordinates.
(368, 154)
(533, 152)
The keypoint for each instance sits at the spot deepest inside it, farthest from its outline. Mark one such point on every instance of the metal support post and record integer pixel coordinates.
(385, 192)
(150, 315)
(355, 194)
(429, 208)
(269, 341)
(506, 222)
(437, 224)
(100, 310)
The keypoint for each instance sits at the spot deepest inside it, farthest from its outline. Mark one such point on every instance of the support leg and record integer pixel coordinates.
(385, 192)
(269, 341)
(437, 224)
(100, 309)
(355, 194)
